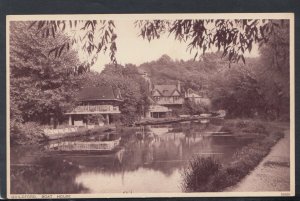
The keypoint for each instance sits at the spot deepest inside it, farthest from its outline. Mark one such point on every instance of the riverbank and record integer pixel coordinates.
(208, 175)
(273, 172)
(156, 121)
(32, 133)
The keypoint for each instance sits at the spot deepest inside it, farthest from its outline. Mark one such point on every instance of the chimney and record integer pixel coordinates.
(178, 86)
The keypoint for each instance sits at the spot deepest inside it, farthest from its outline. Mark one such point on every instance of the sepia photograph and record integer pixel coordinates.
(150, 105)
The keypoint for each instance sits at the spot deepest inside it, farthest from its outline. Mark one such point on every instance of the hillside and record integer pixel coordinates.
(192, 74)
(253, 88)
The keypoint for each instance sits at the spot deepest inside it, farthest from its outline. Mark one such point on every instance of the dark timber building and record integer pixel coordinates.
(95, 100)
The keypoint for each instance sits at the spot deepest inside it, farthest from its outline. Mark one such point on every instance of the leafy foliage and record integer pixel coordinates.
(26, 133)
(94, 35)
(197, 174)
(39, 85)
(250, 90)
(234, 37)
(95, 118)
(190, 107)
(132, 86)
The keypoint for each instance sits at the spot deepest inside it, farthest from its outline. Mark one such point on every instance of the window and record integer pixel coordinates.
(156, 98)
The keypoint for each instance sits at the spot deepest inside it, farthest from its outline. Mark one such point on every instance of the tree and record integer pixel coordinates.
(233, 36)
(244, 90)
(272, 73)
(94, 36)
(236, 90)
(40, 85)
(133, 89)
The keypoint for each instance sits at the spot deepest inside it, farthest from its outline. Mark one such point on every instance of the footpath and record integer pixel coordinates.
(273, 172)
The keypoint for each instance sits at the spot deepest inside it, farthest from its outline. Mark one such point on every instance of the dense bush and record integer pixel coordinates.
(189, 107)
(95, 118)
(198, 173)
(26, 133)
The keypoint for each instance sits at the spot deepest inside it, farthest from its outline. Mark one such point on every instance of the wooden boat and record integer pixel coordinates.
(53, 134)
(183, 118)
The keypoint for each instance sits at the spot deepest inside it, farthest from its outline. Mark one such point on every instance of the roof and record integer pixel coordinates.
(99, 93)
(166, 90)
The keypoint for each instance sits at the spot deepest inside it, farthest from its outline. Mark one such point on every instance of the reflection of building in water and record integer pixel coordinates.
(119, 155)
(174, 143)
(158, 130)
(163, 148)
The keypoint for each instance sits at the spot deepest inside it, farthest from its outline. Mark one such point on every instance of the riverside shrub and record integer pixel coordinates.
(26, 133)
(198, 173)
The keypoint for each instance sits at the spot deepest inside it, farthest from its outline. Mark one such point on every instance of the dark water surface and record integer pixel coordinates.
(149, 160)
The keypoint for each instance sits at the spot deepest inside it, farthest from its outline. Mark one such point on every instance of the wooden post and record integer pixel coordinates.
(107, 118)
(70, 120)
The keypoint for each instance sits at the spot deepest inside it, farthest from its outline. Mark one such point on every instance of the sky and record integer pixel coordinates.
(132, 48)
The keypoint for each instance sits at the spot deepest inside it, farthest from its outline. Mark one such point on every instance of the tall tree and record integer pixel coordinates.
(273, 71)
(40, 84)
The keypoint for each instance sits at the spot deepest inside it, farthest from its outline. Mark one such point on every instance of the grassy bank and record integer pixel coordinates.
(209, 175)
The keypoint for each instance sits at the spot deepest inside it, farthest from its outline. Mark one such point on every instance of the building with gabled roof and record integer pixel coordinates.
(99, 93)
(103, 100)
(170, 96)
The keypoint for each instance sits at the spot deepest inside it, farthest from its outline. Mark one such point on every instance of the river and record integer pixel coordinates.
(150, 160)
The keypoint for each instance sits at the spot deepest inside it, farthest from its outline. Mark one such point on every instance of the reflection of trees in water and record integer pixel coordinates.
(162, 152)
(165, 153)
(18, 152)
(53, 176)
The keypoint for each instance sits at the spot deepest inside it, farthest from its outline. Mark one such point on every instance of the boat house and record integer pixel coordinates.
(158, 111)
(93, 101)
(169, 96)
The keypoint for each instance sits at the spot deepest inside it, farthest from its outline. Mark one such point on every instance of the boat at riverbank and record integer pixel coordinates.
(183, 118)
(53, 134)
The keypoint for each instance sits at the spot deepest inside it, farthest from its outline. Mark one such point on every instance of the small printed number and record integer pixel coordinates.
(285, 194)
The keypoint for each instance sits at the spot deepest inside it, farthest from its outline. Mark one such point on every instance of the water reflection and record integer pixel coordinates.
(148, 160)
(54, 176)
